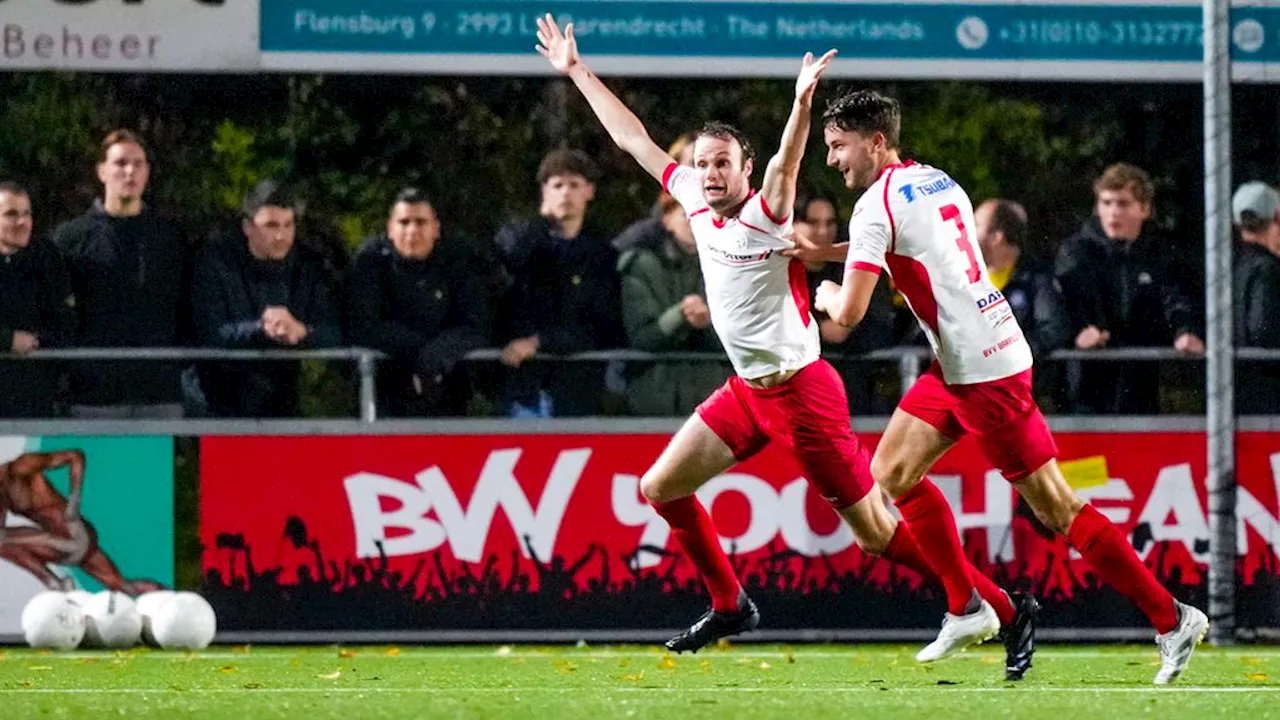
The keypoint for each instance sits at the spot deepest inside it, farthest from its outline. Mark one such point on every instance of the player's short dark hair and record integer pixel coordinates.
(567, 162)
(866, 111)
(13, 188)
(411, 196)
(1010, 218)
(725, 131)
(116, 137)
(268, 193)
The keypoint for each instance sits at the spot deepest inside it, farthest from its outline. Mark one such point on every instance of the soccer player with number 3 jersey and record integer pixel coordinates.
(782, 391)
(917, 223)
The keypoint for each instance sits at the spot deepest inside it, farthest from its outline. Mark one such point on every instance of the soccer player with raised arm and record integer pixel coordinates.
(782, 391)
(916, 222)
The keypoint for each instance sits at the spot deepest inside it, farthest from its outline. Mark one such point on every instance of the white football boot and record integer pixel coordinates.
(1177, 645)
(961, 631)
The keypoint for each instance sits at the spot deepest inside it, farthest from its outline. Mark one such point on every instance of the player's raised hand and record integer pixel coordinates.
(560, 49)
(810, 72)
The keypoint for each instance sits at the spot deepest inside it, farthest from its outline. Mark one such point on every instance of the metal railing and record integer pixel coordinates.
(910, 359)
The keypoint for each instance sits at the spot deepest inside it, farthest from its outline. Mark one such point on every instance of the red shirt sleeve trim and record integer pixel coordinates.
(867, 267)
(666, 176)
(893, 227)
(769, 213)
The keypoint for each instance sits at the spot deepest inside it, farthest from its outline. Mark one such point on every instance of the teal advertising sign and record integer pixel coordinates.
(1034, 40)
(119, 536)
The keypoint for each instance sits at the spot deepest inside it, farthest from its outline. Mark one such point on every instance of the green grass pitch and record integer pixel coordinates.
(804, 682)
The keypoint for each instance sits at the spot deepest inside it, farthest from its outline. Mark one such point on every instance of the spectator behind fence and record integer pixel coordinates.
(1255, 210)
(422, 302)
(37, 308)
(816, 219)
(1028, 286)
(563, 295)
(664, 309)
(651, 232)
(255, 288)
(1121, 290)
(129, 266)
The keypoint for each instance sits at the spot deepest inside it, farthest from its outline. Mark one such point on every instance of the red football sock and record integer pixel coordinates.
(934, 528)
(1105, 548)
(904, 550)
(691, 525)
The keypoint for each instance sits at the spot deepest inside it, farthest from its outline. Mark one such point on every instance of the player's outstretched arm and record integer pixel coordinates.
(779, 187)
(847, 303)
(561, 50)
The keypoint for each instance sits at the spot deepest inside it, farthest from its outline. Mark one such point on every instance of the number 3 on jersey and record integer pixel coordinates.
(951, 213)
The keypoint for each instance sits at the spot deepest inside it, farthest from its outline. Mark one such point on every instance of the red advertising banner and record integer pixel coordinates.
(550, 531)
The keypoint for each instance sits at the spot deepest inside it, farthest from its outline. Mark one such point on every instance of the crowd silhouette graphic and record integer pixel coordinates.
(588, 592)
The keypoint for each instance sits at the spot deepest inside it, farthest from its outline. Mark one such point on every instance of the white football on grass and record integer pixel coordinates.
(53, 621)
(186, 622)
(148, 604)
(112, 621)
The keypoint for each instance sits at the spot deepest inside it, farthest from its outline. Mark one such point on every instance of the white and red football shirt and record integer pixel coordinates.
(759, 300)
(918, 222)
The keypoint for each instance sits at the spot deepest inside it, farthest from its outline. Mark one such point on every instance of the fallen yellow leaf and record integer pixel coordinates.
(722, 644)
(565, 666)
(1256, 677)
(331, 676)
(347, 653)
(667, 663)
(228, 669)
(634, 677)
(391, 652)
(987, 660)
(240, 649)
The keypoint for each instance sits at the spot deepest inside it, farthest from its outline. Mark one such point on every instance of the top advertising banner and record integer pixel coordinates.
(1044, 39)
(138, 35)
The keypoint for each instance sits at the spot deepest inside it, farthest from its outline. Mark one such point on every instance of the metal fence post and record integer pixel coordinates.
(368, 387)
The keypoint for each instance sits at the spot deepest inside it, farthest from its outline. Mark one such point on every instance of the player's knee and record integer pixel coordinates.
(1059, 515)
(873, 542)
(893, 474)
(658, 489)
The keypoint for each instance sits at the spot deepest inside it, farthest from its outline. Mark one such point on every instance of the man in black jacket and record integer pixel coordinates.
(422, 302)
(256, 288)
(36, 308)
(1255, 209)
(1121, 288)
(1030, 288)
(128, 266)
(563, 294)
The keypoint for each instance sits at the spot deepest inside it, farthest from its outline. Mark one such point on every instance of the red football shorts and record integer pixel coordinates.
(1001, 415)
(809, 415)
